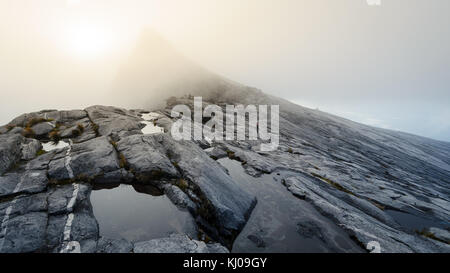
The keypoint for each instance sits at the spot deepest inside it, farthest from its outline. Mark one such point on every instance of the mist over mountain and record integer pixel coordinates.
(155, 71)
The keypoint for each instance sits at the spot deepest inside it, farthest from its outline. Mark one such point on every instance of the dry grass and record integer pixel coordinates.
(426, 233)
(95, 128)
(40, 152)
(28, 132)
(182, 184)
(34, 121)
(80, 127)
(123, 163)
(9, 127)
(334, 184)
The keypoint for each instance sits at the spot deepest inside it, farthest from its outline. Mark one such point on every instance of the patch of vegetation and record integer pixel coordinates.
(95, 128)
(54, 136)
(9, 127)
(426, 233)
(230, 154)
(40, 152)
(378, 205)
(290, 150)
(28, 132)
(80, 127)
(113, 143)
(203, 236)
(334, 184)
(78, 131)
(175, 164)
(81, 178)
(182, 184)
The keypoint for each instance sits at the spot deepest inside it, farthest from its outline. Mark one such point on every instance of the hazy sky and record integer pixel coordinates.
(386, 65)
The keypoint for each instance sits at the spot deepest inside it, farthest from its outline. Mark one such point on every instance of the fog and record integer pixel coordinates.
(386, 65)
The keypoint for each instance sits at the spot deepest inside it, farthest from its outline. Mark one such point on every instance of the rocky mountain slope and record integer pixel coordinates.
(341, 185)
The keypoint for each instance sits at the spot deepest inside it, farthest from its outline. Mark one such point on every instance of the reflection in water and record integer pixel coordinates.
(281, 222)
(150, 127)
(138, 213)
(414, 223)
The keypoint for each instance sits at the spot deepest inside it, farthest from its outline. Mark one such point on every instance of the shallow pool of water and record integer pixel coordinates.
(138, 213)
(280, 222)
(413, 222)
(49, 146)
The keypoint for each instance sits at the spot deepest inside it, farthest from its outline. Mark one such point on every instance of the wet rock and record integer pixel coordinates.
(349, 172)
(310, 229)
(60, 196)
(177, 243)
(106, 245)
(230, 204)
(258, 241)
(23, 182)
(55, 232)
(84, 227)
(179, 198)
(42, 129)
(24, 233)
(359, 224)
(217, 153)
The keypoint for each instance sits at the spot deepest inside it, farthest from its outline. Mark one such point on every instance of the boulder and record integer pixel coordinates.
(145, 157)
(42, 129)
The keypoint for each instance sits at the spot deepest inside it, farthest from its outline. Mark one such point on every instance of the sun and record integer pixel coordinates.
(88, 41)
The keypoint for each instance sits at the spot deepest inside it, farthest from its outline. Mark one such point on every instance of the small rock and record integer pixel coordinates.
(258, 241)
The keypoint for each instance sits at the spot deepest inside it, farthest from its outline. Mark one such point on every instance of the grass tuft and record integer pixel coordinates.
(182, 184)
(426, 233)
(9, 127)
(28, 132)
(54, 136)
(33, 121)
(332, 183)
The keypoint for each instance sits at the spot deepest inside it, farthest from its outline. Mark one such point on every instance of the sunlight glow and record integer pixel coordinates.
(88, 41)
